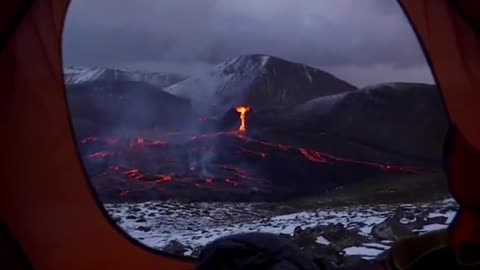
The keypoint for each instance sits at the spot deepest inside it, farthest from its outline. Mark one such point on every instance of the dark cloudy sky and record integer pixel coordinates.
(363, 42)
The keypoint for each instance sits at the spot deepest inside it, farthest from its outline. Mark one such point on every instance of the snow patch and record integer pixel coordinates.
(308, 74)
(321, 240)
(362, 251)
(376, 245)
(265, 60)
(433, 227)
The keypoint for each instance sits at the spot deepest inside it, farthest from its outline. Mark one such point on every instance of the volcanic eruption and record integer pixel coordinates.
(243, 110)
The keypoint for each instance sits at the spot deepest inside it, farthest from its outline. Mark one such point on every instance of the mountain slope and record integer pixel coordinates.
(399, 122)
(100, 107)
(259, 81)
(77, 75)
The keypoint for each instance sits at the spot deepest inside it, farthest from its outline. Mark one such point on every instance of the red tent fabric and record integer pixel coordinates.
(48, 206)
(447, 30)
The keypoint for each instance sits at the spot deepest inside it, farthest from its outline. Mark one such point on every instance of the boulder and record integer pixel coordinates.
(403, 213)
(141, 220)
(144, 228)
(327, 257)
(418, 223)
(391, 229)
(175, 248)
(340, 237)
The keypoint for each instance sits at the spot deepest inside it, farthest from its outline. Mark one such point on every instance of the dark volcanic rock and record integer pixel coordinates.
(340, 237)
(196, 252)
(391, 229)
(326, 256)
(403, 213)
(141, 220)
(222, 167)
(337, 234)
(144, 228)
(418, 223)
(175, 248)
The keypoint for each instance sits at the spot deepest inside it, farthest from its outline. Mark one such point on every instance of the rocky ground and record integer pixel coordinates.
(338, 234)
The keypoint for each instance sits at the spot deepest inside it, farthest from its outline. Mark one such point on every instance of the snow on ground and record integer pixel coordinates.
(194, 225)
(322, 240)
(363, 251)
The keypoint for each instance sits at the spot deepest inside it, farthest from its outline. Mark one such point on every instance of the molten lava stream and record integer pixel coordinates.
(243, 118)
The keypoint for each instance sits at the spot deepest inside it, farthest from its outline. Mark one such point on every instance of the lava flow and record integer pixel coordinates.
(243, 118)
(225, 165)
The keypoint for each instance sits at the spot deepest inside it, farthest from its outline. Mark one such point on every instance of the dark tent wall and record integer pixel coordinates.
(46, 202)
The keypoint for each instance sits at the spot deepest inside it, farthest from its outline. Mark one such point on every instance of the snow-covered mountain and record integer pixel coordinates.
(259, 81)
(77, 75)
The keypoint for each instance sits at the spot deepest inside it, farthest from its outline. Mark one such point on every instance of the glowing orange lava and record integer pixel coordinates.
(243, 120)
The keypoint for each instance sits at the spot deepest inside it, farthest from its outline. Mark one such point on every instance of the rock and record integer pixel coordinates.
(285, 235)
(418, 223)
(340, 237)
(130, 217)
(141, 220)
(357, 224)
(304, 238)
(144, 228)
(196, 252)
(175, 248)
(327, 257)
(297, 230)
(403, 213)
(437, 220)
(391, 229)
(354, 262)
(117, 219)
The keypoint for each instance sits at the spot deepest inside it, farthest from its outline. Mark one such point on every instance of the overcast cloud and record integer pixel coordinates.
(364, 42)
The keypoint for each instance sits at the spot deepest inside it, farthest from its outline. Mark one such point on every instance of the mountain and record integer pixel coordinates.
(396, 122)
(108, 107)
(259, 81)
(77, 75)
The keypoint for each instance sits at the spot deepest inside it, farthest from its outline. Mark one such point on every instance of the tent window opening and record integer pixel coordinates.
(319, 121)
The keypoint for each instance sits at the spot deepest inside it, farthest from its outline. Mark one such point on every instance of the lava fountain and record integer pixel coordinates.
(242, 110)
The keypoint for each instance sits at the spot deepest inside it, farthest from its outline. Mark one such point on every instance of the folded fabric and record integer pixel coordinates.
(254, 251)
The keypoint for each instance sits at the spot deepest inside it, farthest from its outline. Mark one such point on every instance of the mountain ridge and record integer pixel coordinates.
(80, 74)
(259, 81)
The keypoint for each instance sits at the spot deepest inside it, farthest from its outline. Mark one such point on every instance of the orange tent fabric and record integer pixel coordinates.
(453, 46)
(46, 201)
